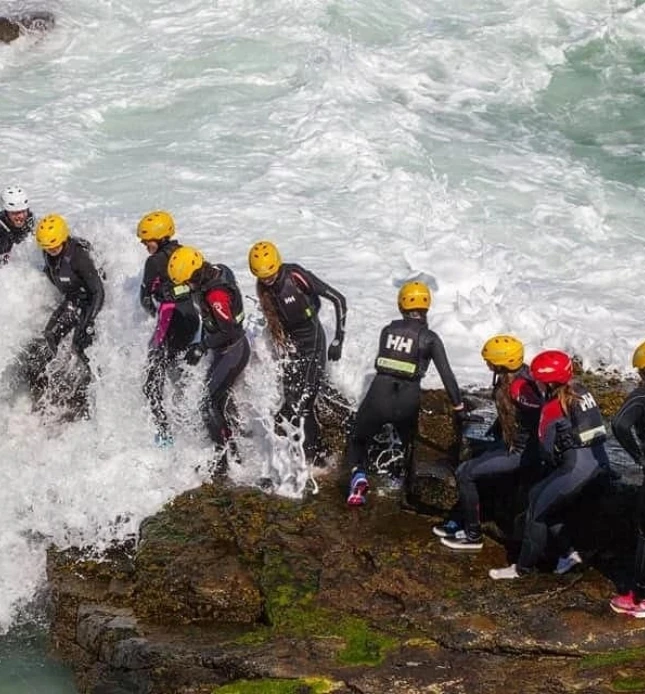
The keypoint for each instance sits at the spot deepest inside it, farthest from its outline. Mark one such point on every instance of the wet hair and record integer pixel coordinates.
(267, 304)
(567, 396)
(506, 411)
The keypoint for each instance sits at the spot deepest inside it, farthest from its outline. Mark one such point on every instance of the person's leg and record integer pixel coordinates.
(468, 474)
(153, 389)
(224, 369)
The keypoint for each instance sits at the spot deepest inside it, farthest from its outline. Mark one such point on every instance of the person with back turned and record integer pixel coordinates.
(407, 346)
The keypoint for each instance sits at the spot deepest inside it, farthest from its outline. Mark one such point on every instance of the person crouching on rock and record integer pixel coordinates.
(290, 300)
(518, 402)
(407, 346)
(221, 310)
(629, 429)
(572, 439)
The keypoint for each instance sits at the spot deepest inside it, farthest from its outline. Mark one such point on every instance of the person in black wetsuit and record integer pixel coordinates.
(173, 308)
(71, 269)
(16, 220)
(407, 346)
(290, 300)
(221, 309)
(518, 402)
(572, 440)
(629, 429)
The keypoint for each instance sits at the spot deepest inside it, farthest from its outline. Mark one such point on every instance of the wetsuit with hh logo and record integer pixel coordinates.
(574, 444)
(406, 348)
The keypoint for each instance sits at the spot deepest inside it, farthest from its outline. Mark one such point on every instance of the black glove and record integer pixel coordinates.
(462, 417)
(335, 350)
(194, 354)
(83, 337)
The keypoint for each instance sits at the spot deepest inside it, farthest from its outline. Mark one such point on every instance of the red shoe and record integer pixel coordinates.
(624, 604)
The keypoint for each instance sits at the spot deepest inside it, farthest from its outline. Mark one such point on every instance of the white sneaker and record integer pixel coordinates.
(567, 563)
(506, 572)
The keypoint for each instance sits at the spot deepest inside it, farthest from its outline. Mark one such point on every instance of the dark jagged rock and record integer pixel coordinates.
(229, 589)
(13, 27)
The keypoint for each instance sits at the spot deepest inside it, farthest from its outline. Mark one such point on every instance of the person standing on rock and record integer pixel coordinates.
(572, 437)
(629, 429)
(290, 300)
(177, 320)
(16, 220)
(518, 402)
(221, 310)
(407, 346)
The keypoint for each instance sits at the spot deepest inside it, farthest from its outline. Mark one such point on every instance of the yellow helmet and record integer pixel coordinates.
(414, 296)
(264, 259)
(505, 351)
(155, 226)
(52, 232)
(638, 360)
(183, 263)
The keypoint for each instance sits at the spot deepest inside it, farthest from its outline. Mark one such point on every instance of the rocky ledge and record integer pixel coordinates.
(13, 27)
(231, 590)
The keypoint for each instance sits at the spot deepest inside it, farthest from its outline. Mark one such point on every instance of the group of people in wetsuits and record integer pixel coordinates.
(545, 420)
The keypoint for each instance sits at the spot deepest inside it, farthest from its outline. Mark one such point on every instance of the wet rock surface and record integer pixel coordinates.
(12, 27)
(234, 590)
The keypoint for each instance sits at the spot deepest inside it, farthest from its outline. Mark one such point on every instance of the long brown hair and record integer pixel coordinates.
(506, 412)
(280, 340)
(567, 397)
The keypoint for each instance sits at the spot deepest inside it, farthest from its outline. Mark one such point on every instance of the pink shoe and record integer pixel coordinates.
(624, 604)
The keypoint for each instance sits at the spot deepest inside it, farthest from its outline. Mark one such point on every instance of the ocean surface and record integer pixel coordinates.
(492, 148)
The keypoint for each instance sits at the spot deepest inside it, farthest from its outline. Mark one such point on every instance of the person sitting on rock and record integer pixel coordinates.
(518, 402)
(290, 300)
(407, 346)
(177, 320)
(629, 429)
(572, 437)
(221, 310)
(16, 220)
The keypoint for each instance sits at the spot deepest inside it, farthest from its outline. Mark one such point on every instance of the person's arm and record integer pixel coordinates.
(151, 279)
(431, 347)
(84, 267)
(220, 302)
(310, 284)
(624, 425)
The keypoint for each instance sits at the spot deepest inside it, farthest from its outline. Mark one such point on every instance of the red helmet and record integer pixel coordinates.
(552, 366)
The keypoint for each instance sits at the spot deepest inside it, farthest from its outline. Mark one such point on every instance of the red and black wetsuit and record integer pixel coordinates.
(573, 443)
(502, 459)
(222, 312)
(629, 428)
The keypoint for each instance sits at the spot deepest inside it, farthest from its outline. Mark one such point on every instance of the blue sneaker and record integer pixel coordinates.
(358, 488)
(164, 439)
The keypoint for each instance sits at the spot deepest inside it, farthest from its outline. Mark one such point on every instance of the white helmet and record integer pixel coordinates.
(14, 199)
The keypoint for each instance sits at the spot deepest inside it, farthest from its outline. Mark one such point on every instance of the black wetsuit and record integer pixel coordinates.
(573, 444)
(407, 346)
(223, 337)
(177, 325)
(11, 235)
(629, 428)
(523, 451)
(296, 295)
(74, 274)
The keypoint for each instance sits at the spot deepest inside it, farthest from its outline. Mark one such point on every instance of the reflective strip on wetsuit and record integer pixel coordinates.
(396, 365)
